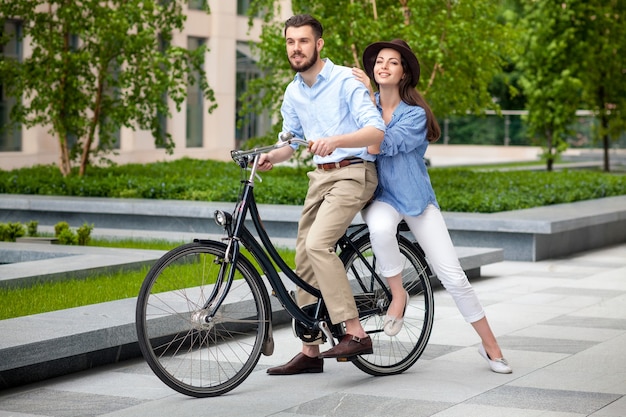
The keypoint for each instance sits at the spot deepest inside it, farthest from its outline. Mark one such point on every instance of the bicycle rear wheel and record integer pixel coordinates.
(392, 354)
(200, 334)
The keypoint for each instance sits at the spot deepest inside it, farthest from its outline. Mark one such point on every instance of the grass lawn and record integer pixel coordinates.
(99, 288)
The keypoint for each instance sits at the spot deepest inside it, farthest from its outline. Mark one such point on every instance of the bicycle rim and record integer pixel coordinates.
(194, 356)
(392, 354)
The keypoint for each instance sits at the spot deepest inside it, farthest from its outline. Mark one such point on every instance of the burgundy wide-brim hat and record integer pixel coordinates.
(371, 52)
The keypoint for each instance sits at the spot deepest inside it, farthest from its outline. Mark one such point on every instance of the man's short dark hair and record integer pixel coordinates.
(300, 20)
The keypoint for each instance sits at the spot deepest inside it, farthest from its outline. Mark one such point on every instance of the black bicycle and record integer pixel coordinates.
(204, 315)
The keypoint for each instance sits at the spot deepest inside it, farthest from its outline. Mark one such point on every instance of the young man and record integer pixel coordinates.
(326, 105)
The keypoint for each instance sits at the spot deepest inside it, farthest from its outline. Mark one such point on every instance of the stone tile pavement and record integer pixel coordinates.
(560, 322)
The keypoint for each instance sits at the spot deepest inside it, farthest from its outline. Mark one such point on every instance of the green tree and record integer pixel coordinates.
(505, 86)
(97, 66)
(550, 63)
(603, 72)
(461, 46)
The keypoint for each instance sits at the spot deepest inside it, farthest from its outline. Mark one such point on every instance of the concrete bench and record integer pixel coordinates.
(544, 232)
(525, 235)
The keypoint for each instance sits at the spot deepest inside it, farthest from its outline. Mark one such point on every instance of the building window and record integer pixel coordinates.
(70, 136)
(195, 4)
(195, 105)
(161, 116)
(252, 125)
(10, 137)
(161, 138)
(243, 6)
(112, 138)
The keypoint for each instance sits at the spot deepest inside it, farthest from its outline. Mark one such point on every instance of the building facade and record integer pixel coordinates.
(229, 66)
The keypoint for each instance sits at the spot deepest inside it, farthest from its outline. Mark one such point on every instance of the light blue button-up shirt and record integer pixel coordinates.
(403, 180)
(336, 104)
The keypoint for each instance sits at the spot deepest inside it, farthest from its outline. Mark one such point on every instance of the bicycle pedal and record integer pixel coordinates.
(346, 359)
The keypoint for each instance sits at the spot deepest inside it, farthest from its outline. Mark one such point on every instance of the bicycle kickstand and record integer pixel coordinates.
(268, 344)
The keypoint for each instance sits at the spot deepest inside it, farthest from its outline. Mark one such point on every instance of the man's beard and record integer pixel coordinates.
(306, 65)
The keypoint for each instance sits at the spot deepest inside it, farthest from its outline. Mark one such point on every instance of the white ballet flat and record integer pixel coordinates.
(499, 365)
(392, 325)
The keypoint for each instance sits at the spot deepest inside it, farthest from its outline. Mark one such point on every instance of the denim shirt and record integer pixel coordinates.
(336, 104)
(403, 180)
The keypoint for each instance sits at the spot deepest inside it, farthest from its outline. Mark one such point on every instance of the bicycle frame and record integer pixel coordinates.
(264, 252)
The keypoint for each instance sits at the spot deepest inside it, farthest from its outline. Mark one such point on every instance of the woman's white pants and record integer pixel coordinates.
(431, 232)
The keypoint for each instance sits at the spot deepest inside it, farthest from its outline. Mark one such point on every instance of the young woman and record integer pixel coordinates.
(405, 193)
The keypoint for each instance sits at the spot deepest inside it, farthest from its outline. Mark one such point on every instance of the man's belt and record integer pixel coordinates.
(340, 164)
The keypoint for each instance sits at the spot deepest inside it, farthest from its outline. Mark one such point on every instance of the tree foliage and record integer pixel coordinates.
(550, 66)
(603, 73)
(97, 66)
(573, 57)
(460, 45)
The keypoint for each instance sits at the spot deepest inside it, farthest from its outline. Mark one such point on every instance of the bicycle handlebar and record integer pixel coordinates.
(243, 157)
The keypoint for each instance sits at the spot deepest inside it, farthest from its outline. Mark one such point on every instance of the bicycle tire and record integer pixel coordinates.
(392, 354)
(188, 354)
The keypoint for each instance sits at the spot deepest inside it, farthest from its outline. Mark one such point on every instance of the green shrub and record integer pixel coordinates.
(67, 237)
(60, 227)
(468, 190)
(463, 190)
(9, 232)
(84, 234)
(31, 228)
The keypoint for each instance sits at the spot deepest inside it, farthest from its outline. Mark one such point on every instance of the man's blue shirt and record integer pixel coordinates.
(336, 104)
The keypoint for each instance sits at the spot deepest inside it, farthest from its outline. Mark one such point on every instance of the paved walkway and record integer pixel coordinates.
(561, 324)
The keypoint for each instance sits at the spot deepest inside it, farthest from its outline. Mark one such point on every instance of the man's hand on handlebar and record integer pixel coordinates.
(276, 156)
(322, 146)
(264, 162)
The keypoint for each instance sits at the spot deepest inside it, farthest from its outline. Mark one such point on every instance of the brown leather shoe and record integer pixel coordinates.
(300, 364)
(350, 346)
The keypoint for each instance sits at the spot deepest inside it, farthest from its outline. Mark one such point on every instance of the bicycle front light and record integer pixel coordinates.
(222, 218)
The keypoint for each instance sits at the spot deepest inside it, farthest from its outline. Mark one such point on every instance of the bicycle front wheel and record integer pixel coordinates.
(201, 334)
(392, 354)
